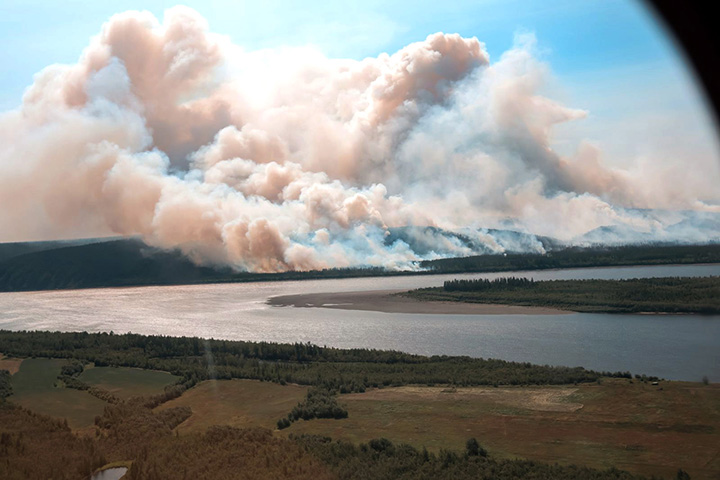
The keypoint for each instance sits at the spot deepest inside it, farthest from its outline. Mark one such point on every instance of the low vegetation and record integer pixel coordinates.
(633, 425)
(226, 452)
(236, 403)
(667, 295)
(35, 446)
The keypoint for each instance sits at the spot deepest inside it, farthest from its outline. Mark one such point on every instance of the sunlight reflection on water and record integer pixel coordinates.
(672, 346)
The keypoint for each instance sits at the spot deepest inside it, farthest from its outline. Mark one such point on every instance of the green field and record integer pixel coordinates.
(34, 388)
(238, 403)
(127, 382)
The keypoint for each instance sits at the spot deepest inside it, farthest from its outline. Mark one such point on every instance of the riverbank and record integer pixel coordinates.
(390, 301)
(665, 295)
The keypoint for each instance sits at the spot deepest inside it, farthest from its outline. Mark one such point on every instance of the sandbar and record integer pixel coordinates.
(388, 301)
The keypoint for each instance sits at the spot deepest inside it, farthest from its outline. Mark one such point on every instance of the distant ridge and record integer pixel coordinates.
(111, 263)
(485, 241)
(15, 249)
(129, 262)
(684, 227)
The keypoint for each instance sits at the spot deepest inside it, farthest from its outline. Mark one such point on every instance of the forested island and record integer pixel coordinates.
(185, 407)
(639, 295)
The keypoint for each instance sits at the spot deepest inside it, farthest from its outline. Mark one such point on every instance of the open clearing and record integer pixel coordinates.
(239, 403)
(127, 382)
(643, 428)
(34, 388)
(635, 426)
(12, 365)
(638, 427)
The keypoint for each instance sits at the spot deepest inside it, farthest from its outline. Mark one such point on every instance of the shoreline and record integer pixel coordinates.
(387, 301)
(402, 273)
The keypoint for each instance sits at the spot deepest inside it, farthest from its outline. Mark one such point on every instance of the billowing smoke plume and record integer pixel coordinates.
(285, 159)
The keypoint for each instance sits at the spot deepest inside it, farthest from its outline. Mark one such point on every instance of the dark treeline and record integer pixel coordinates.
(69, 377)
(483, 284)
(577, 257)
(669, 294)
(320, 402)
(5, 385)
(72, 369)
(129, 262)
(351, 370)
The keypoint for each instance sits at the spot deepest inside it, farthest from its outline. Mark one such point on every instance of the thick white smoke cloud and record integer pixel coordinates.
(285, 159)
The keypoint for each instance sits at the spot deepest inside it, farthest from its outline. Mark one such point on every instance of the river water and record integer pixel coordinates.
(678, 347)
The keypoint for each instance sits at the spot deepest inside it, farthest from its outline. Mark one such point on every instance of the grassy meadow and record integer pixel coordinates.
(237, 403)
(643, 428)
(127, 382)
(34, 387)
(639, 427)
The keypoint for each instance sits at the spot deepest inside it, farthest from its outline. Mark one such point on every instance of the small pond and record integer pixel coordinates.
(110, 474)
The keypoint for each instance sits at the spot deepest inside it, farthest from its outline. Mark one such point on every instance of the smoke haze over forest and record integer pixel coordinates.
(285, 159)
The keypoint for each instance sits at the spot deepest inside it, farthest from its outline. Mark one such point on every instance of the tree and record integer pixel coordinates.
(5, 385)
(473, 448)
(682, 475)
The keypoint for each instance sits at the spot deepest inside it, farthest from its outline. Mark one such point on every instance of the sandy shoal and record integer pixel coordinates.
(387, 301)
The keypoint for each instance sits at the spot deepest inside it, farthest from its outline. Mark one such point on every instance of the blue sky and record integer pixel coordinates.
(609, 57)
(577, 36)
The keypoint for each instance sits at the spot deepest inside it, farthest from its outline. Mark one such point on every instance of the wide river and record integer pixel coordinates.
(678, 347)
